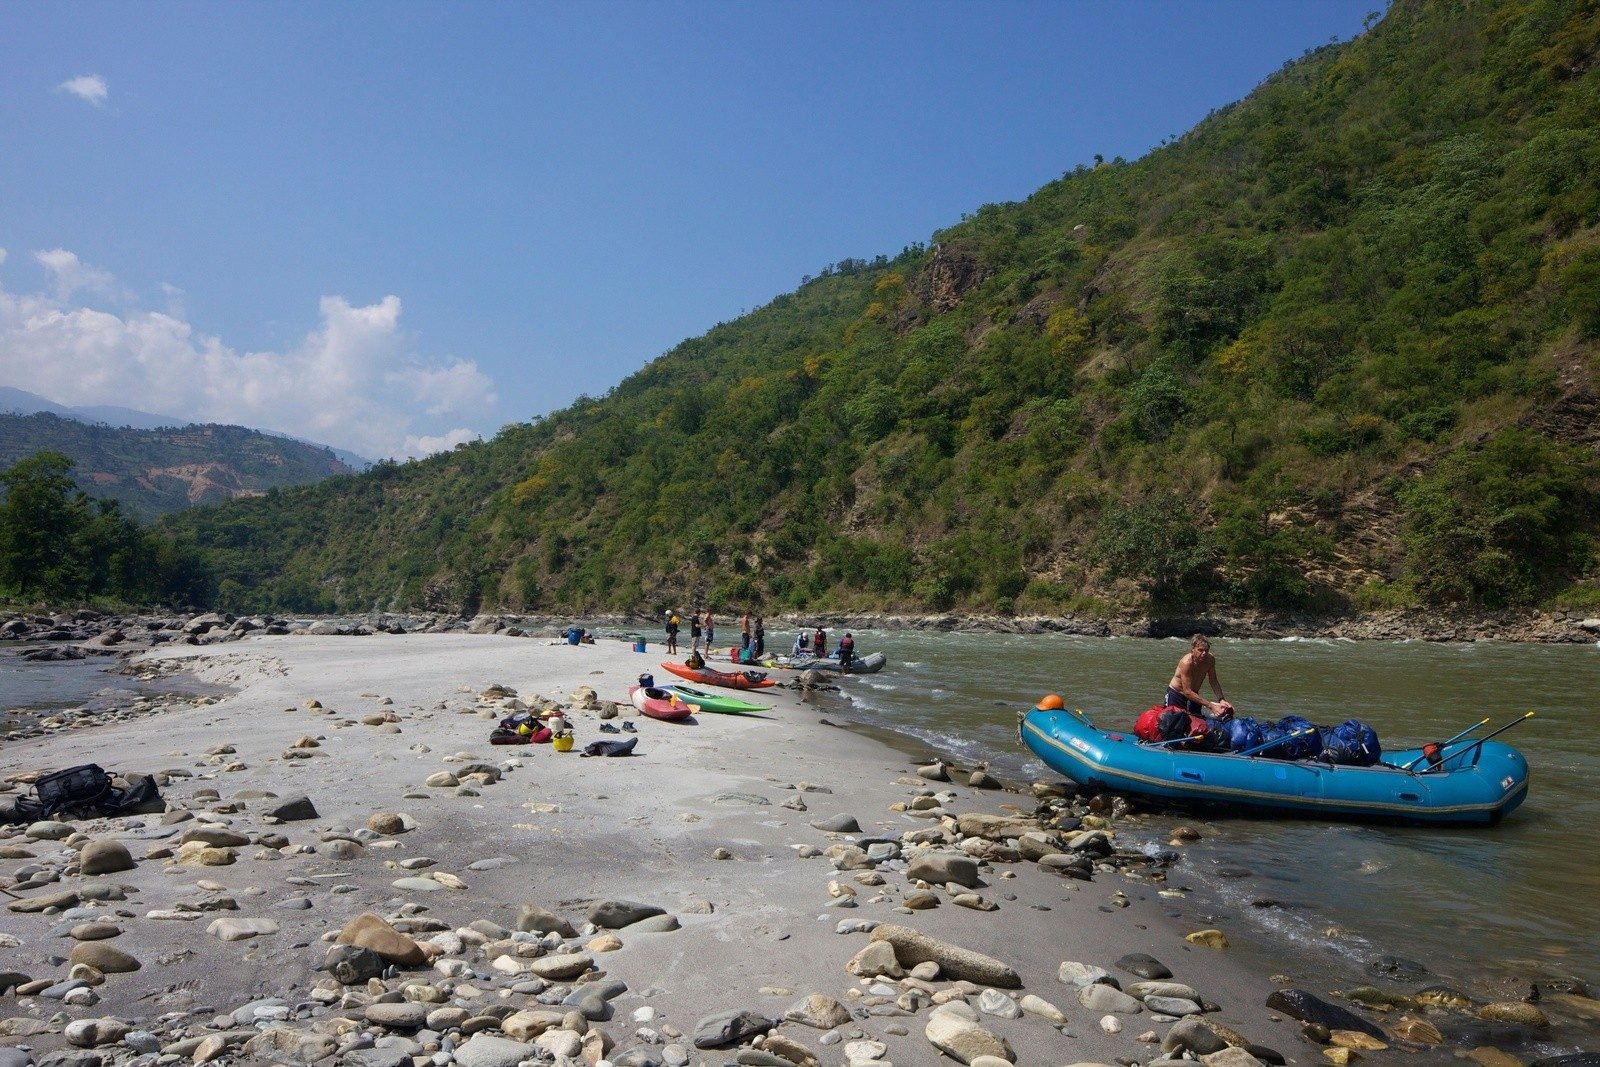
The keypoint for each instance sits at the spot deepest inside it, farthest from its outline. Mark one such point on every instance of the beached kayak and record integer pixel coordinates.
(708, 676)
(713, 702)
(1476, 782)
(660, 704)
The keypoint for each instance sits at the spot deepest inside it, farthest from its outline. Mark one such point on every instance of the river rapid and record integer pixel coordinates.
(1487, 910)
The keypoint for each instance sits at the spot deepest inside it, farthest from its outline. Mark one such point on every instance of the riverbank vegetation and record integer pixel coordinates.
(1332, 349)
(59, 546)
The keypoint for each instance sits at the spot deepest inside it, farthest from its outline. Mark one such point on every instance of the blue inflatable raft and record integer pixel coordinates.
(1476, 782)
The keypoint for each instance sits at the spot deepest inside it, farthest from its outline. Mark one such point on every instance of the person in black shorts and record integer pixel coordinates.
(1197, 666)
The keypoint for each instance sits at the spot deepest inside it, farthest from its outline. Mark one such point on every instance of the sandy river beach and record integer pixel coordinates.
(754, 889)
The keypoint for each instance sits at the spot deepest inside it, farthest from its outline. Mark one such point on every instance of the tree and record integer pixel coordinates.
(1502, 524)
(41, 525)
(58, 544)
(1156, 542)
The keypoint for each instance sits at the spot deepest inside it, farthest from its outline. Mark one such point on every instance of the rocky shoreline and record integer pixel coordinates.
(1527, 627)
(341, 871)
(77, 633)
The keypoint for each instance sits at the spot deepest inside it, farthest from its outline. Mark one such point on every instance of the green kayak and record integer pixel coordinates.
(715, 702)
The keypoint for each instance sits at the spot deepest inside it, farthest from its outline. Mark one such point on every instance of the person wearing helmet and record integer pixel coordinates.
(1197, 665)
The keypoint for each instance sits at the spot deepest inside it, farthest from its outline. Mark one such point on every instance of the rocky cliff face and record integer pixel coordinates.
(952, 272)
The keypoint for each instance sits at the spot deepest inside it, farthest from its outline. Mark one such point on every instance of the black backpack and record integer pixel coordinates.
(85, 790)
(74, 788)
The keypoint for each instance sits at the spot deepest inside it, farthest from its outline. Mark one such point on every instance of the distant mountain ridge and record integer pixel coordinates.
(16, 401)
(156, 471)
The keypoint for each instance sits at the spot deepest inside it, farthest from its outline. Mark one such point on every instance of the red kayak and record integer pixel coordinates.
(660, 704)
(707, 676)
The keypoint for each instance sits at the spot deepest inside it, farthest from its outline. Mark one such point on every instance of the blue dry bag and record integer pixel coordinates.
(1306, 746)
(1352, 744)
(1243, 733)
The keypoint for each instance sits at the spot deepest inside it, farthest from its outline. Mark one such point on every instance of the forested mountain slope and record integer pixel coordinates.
(150, 472)
(1332, 348)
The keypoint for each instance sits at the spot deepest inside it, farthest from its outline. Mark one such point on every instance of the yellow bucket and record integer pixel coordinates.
(562, 743)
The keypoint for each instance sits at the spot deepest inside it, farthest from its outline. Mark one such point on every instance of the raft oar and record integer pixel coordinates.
(1453, 740)
(1478, 743)
(1169, 741)
(1274, 744)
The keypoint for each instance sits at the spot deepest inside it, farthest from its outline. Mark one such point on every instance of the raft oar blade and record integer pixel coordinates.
(1478, 742)
(1475, 726)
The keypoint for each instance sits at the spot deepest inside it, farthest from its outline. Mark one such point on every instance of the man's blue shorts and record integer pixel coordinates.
(1176, 699)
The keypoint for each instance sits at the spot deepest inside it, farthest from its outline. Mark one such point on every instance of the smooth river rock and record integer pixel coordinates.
(103, 957)
(730, 1028)
(939, 868)
(1307, 1007)
(617, 914)
(371, 932)
(954, 1030)
(1101, 997)
(912, 947)
(104, 857)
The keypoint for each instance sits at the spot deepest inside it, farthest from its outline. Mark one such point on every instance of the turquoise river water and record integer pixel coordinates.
(1487, 910)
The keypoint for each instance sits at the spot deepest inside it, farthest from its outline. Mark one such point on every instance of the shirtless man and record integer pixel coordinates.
(1197, 665)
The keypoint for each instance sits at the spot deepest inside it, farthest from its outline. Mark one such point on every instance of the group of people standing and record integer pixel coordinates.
(752, 638)
(703, 625)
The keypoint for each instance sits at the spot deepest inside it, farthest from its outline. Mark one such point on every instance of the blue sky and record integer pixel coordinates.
(391, 227)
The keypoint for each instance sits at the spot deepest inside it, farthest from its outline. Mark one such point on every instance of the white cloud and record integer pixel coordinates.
(427, 445)
(175, 300)
(355, 381)
(452, 389)
(71, 274)
(90, 88)
(2, 256)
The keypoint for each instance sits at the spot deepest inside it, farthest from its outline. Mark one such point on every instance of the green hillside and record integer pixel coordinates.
(1333, 348)
(153, 472)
